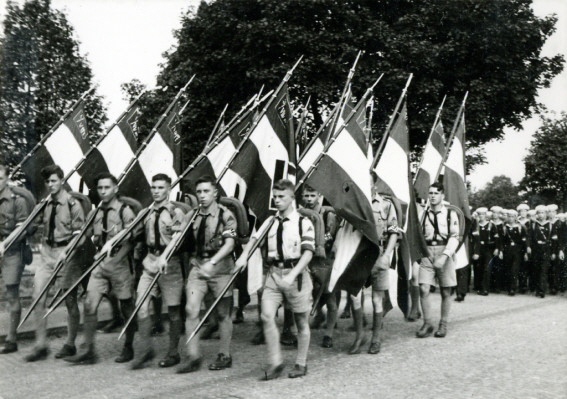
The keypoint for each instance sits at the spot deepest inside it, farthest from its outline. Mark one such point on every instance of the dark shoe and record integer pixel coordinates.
(222, 362)
(459, 298)
(9, 347)
(345, 314)
(140, 362)
(288, 339)
(259, 338)
(483, 293)
(37, 354)
(298, 371)
(111, 326)
(553, 292)
(327, 342)
(511, 293)
(66, 351)
(425, 331)
(442, 330)
(126, 355)
(412, 318)
(356, 345)
(88, 357)
(239, 317)
(189, 365)
(209, 331)
(374, 348)
(273, 372)
(170, 361)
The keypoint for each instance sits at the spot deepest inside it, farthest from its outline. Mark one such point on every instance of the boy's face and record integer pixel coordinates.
(106, 190)
(435, 196)
(283, 199)
(160, 190)
(206, 193)
(310, 198)
(541, 215)
(54, 184)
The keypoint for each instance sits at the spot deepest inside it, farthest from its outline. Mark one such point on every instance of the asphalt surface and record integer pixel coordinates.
(497, 347)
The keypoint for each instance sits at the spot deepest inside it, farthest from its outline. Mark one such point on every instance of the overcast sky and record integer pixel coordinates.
(125, 39)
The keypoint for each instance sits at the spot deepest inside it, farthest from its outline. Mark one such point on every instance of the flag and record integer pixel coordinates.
(455, 186)
(65, 147)
(267, 156)
(162, 154)
(315, 147)
(113, 153)
(342, 177)
(393, 178)
(218, 156)
(430, 162)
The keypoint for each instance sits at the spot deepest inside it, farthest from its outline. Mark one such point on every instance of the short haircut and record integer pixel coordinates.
(307, 187)
(106, 175)
(438, 186)
(162, 177)
(284, 184)
(52, 170)
(4, 169)
(206, 179)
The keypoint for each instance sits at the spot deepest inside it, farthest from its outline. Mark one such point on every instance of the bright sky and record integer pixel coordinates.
(125, 39)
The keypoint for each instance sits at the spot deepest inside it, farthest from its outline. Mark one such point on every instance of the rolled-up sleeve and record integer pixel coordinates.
(453, 238)
(307, 235)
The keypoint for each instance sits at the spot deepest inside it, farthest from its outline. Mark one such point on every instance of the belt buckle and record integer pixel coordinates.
(512, 244)
(482, 242)
(433, 242)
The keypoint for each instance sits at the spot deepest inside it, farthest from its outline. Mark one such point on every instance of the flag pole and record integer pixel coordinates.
(452, 135)
(334, 135)
(13, 237)
(75, 241)
(437, 116)
(217, 125)
(16, 168)
(447, 149)
(139, 217)
(390, 123)
(302, 119)
(154, 130)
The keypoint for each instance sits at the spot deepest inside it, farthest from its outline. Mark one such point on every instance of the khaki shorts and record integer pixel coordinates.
(197, 281)
(427, 273)
(170, 285)
(298, 301)
(71, 272)
(12, 266)
(119, 278)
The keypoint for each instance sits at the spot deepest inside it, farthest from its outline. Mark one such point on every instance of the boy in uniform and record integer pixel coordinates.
(485, 242)
(114, 272)
(63, 217)
(291, 244)
(540, 249)
(214, 233)
(514, 244)
(441, 231)
(13, 212)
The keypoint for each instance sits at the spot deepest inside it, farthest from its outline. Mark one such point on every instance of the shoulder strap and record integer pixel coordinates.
(219, 220)
(300, 227)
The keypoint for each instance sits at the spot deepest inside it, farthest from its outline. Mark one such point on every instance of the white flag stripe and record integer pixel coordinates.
(346, 153)
(66, 152)
(220, 154)
(346, 244)
(270, 148)
(158, 158)
(461, 258)
(431, 160)
(311, 155)
(455, 159)
(116, 151)
(392, 169)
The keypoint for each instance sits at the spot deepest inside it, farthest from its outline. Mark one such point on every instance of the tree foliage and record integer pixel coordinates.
(500, 191)
(236, 46)
(42, 73)
(546, 162)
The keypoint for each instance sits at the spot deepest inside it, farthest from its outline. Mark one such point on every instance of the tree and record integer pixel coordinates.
(236, 46)
(41, 74)
(546, 162)
(500, 191)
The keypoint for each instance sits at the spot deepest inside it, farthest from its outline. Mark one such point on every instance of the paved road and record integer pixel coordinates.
(497, 347)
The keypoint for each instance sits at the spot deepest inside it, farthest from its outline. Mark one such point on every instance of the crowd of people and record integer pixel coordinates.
(516, 251)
